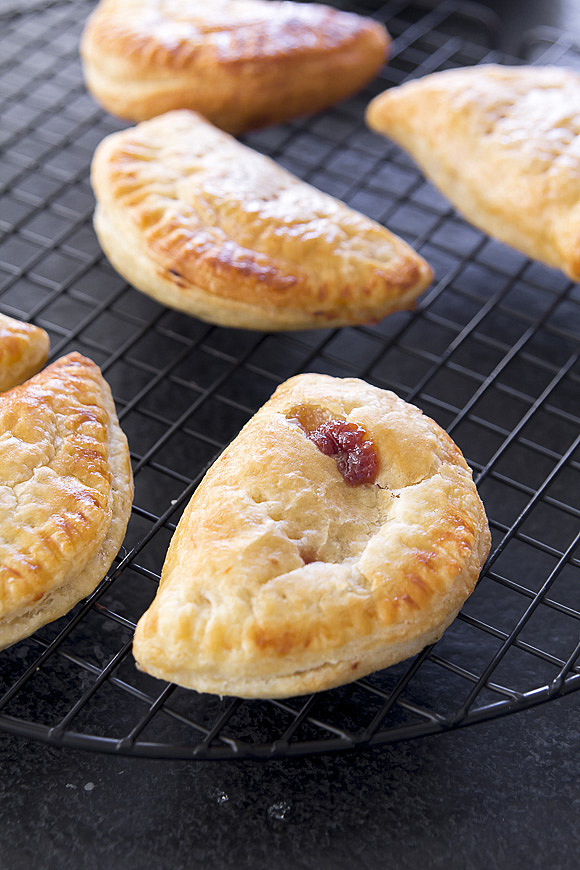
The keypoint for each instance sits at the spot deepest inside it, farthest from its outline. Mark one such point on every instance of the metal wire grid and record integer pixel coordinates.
(491, 352)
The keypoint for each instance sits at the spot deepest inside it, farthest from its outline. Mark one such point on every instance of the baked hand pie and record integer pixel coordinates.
(241, 63)
(339, 533)
(23, 351)
(503, 143)
(204, 224)
(66, 490)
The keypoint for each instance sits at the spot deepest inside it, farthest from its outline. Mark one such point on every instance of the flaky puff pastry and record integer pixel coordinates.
(23, 351)
(283, 579)
(66, 490)
(241, 63)
(504, 145)
(204, 224)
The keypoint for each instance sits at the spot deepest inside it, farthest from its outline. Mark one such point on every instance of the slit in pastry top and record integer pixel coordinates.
(283, 579)
(349, 444)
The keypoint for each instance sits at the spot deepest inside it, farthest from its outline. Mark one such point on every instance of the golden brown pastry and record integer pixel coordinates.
(339, 533)
(66, 490)
(241, 63)
(206, 225)
(503, 144)
(23, 351)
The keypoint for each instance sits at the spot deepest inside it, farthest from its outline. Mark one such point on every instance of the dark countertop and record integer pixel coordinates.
(498, 795)
(519, 16)
(503, 794)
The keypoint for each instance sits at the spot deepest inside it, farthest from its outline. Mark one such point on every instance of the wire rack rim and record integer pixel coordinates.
(238, 750)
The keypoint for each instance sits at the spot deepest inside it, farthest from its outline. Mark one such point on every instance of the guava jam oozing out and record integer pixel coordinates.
(348, 443)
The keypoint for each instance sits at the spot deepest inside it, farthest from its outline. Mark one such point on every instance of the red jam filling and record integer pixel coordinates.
(348, 443)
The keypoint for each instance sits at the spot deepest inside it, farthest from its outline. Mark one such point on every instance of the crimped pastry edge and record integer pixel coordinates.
(133, 262)
(387, 115)
(326, 676)
(38, 349)
(406, 273)
(138, 85)
(356, 661)
(138, 100)
(59, 601)
(290, 674)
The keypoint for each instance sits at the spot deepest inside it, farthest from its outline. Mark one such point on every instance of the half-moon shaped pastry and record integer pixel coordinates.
(66, 490)
(503, 144)
(241, 63)
(339, 533)
(23, 351)
(205, 224)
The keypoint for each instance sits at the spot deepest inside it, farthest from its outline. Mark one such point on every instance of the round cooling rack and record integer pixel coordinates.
(491, 352)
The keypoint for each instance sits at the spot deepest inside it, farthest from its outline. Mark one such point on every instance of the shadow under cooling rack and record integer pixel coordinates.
(490, 352)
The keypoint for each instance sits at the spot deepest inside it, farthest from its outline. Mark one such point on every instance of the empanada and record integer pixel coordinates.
(503, 144)
(241, 63)
(66, 490)
(205, 224)
(339, 533)
(23, 351)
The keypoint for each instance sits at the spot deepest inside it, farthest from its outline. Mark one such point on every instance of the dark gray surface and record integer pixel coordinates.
(521, 15)
(499, 795)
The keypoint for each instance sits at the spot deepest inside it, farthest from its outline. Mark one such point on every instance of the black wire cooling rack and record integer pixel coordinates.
(491, 352)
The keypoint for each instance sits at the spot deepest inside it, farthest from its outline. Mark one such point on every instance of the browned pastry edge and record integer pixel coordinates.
(75, 555)
(24, 349)
(281, 580)
(320, 265)
(502, 143)
(263, 76)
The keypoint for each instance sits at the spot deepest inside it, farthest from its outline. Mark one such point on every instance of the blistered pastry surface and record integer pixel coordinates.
(226, 229)
(503, 144)
(177, 33)
(56, 483)
(23, 350)
(241, 63)
(281, 578)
